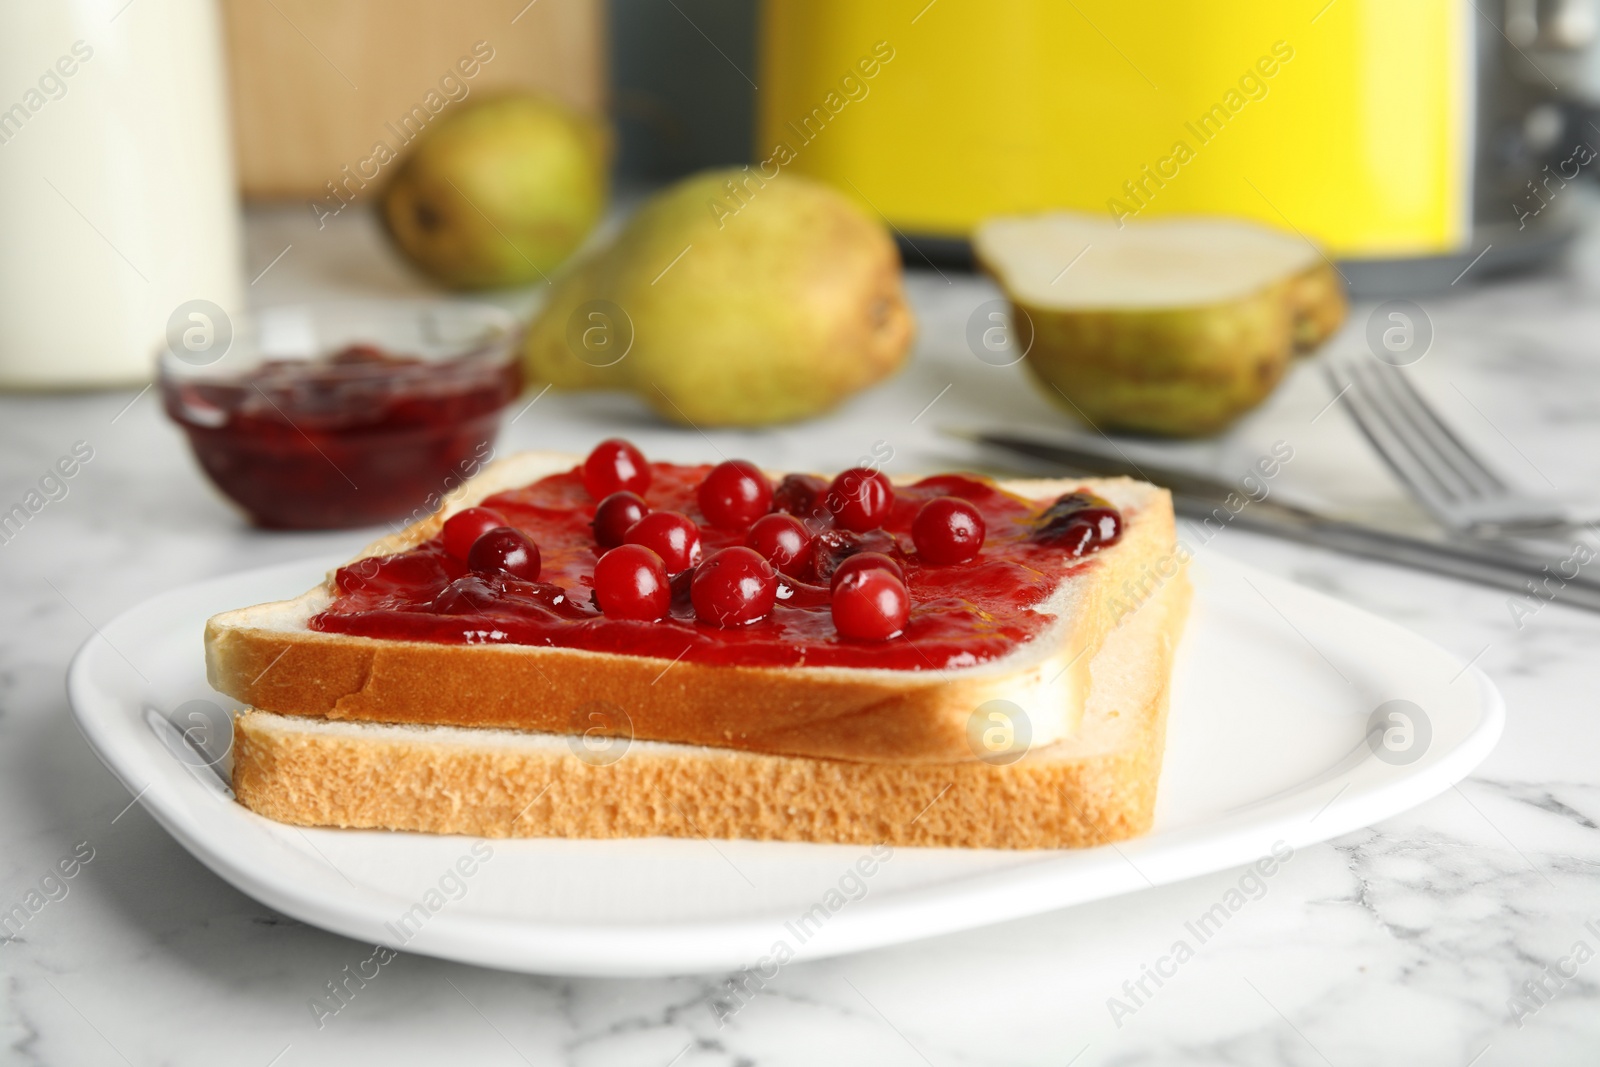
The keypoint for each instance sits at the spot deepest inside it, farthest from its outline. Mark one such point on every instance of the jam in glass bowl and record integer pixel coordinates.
(323, 416)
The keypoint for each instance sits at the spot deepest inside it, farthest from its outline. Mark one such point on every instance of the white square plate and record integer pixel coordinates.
(1271, 738)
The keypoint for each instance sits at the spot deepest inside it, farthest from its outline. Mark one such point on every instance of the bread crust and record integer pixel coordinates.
(1096, 787)
(869, 715)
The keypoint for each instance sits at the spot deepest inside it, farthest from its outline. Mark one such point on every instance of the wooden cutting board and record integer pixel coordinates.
(316, 83)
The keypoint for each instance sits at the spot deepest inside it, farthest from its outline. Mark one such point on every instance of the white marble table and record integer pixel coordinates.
(1402, 943)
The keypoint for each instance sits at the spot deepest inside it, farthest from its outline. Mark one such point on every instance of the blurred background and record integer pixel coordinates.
(372, 228)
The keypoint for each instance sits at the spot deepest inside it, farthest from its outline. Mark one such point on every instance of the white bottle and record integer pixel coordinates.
(117, 196)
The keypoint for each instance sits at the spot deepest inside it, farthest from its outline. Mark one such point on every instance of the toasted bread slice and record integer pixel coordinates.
(265, 656)
(1097, 786)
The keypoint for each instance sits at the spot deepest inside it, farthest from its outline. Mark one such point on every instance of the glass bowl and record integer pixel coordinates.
(324, 416)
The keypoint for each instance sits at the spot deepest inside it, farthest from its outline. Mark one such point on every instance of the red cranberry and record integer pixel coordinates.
(798, 494)
(734, 495)
(1090, 529)
(782, 540)
(830, 547)
(870, 605)
(1080, 522)
(733, 587)
(860, 499)
(615, 515)
(462, 530)
(948, 530)
(672, 535)
(866, 561)
(504, 550)
(467, 595)
(630, 582)
(615, 464)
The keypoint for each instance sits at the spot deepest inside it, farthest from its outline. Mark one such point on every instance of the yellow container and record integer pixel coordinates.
(1349, 121)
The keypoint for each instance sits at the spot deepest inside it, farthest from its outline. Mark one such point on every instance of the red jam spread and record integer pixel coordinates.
(359, 437)
(960, 614)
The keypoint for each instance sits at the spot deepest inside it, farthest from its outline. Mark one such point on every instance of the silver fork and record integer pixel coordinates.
(1447, 477)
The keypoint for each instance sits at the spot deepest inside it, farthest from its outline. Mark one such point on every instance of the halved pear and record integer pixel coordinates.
(1175, 327)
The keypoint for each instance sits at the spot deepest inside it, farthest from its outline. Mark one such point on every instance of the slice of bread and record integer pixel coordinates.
(265, 656)
(1097, 786)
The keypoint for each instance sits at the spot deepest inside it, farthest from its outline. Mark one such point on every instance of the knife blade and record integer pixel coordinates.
(1495, 564)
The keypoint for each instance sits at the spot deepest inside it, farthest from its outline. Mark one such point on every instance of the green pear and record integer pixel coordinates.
(731, 299)
(1173, 327)
(498, 193)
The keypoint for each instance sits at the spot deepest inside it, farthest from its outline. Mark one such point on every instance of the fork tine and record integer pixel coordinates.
(1378, 432)
(1378, 395)
(1454, 451)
